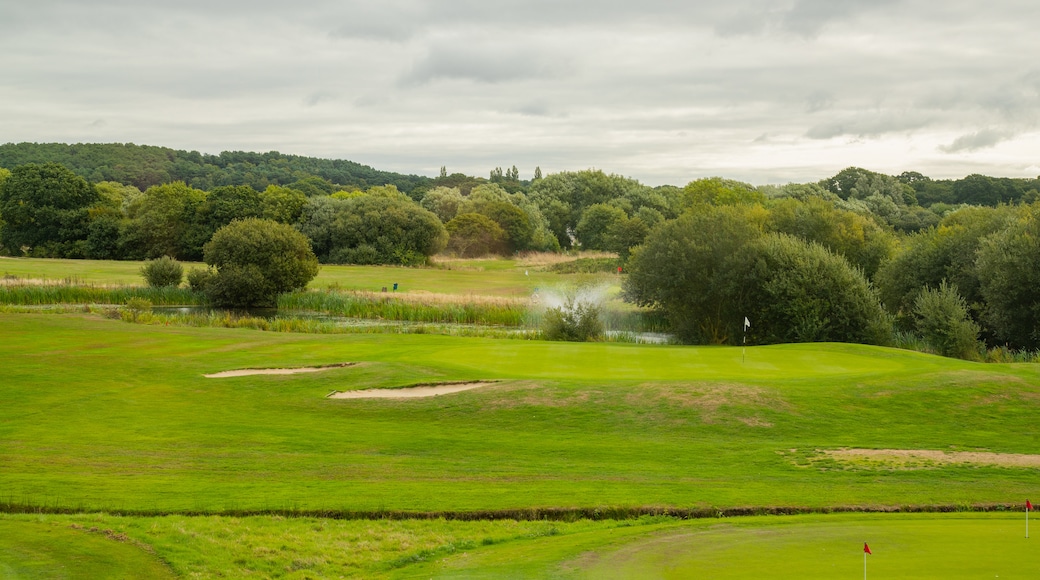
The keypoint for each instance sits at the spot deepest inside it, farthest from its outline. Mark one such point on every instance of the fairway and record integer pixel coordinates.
(906, 546)
(100, 414)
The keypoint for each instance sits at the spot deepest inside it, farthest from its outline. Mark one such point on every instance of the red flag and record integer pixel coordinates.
(1029, 506)
(866, 549)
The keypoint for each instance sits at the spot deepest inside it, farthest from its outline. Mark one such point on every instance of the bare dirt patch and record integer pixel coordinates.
(926, 458)
(416, 392)
(288, 371)
(715, 402)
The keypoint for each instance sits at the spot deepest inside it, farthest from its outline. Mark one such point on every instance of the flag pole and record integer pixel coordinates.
(743, 347)
(864, 566)
(1027, 518)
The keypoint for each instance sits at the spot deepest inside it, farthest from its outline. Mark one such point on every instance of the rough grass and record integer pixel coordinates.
(33, 294)
(262, 547)
(431, 308)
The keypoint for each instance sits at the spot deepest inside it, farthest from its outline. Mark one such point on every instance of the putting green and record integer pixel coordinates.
(45, 550)
(905, 546)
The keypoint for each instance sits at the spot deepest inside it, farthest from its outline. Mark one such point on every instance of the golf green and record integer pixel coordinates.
(905, 546)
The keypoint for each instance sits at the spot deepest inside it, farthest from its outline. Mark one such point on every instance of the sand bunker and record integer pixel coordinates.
(410, 392)
(292, 371)
(918, 458)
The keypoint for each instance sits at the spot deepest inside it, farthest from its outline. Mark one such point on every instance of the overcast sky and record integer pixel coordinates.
(662, 91)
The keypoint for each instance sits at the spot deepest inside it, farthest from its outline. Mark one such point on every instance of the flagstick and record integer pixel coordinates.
(1027, 523)
(864, 566)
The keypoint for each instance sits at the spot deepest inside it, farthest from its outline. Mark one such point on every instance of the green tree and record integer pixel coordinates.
(719, 191)
(946, 252)
(372, 230)
(518, 228)
(471, 235)
(802, 292)
(860, 239)
(228, 203)
(281, 204)
(944, 322)
(312, 186)
(45, 209)
(688, 268)
(1008, 266)
(167, 220)
(255, 261)
(623, 235)
(444, 202)
(163, 272)
(596, 225)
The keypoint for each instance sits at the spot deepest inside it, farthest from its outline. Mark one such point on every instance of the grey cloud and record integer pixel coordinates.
(869, 126)
(318, 97)
(490, 63)
(564, 84)
(979, 140)
(819, 101)
(808, 17)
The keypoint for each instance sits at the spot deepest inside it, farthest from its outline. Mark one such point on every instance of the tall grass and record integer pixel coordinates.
(29, 294)
(443, 309)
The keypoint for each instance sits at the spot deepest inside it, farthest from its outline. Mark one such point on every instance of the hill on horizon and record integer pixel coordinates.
(146, 165)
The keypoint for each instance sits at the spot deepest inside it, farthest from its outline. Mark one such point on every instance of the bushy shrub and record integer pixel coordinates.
(802, 292)
(255, 261)
(943, 321)
(163, 272)
(576, 320)
(199, 277)
(394, 229)
(471, 235)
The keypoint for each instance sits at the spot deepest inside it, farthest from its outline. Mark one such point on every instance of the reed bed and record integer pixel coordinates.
(30, 294)
(427, 308)
(227, 319)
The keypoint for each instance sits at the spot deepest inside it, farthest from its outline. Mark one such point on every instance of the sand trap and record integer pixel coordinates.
(293, 371)
(910, 458)
(410, 392)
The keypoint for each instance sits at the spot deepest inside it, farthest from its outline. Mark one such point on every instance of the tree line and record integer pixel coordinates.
(860, 256)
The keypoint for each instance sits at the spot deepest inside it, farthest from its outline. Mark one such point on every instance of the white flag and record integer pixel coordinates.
(747, 323)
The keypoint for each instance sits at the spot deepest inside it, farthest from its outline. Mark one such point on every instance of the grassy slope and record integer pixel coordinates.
(482, 277)
(30, 549)
(102, 414)
(903, 545)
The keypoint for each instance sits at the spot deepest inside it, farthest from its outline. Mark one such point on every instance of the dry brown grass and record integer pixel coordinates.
(908, 459)
(423, 297)
(536, 259)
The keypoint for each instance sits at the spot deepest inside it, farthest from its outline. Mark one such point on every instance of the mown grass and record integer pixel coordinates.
(904, 546)
(99, 414)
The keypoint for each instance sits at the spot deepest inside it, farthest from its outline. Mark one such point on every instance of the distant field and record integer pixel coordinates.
(100, 414)
(480, 277)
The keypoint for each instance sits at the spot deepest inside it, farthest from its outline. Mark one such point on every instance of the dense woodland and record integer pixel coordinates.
(848, 258)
